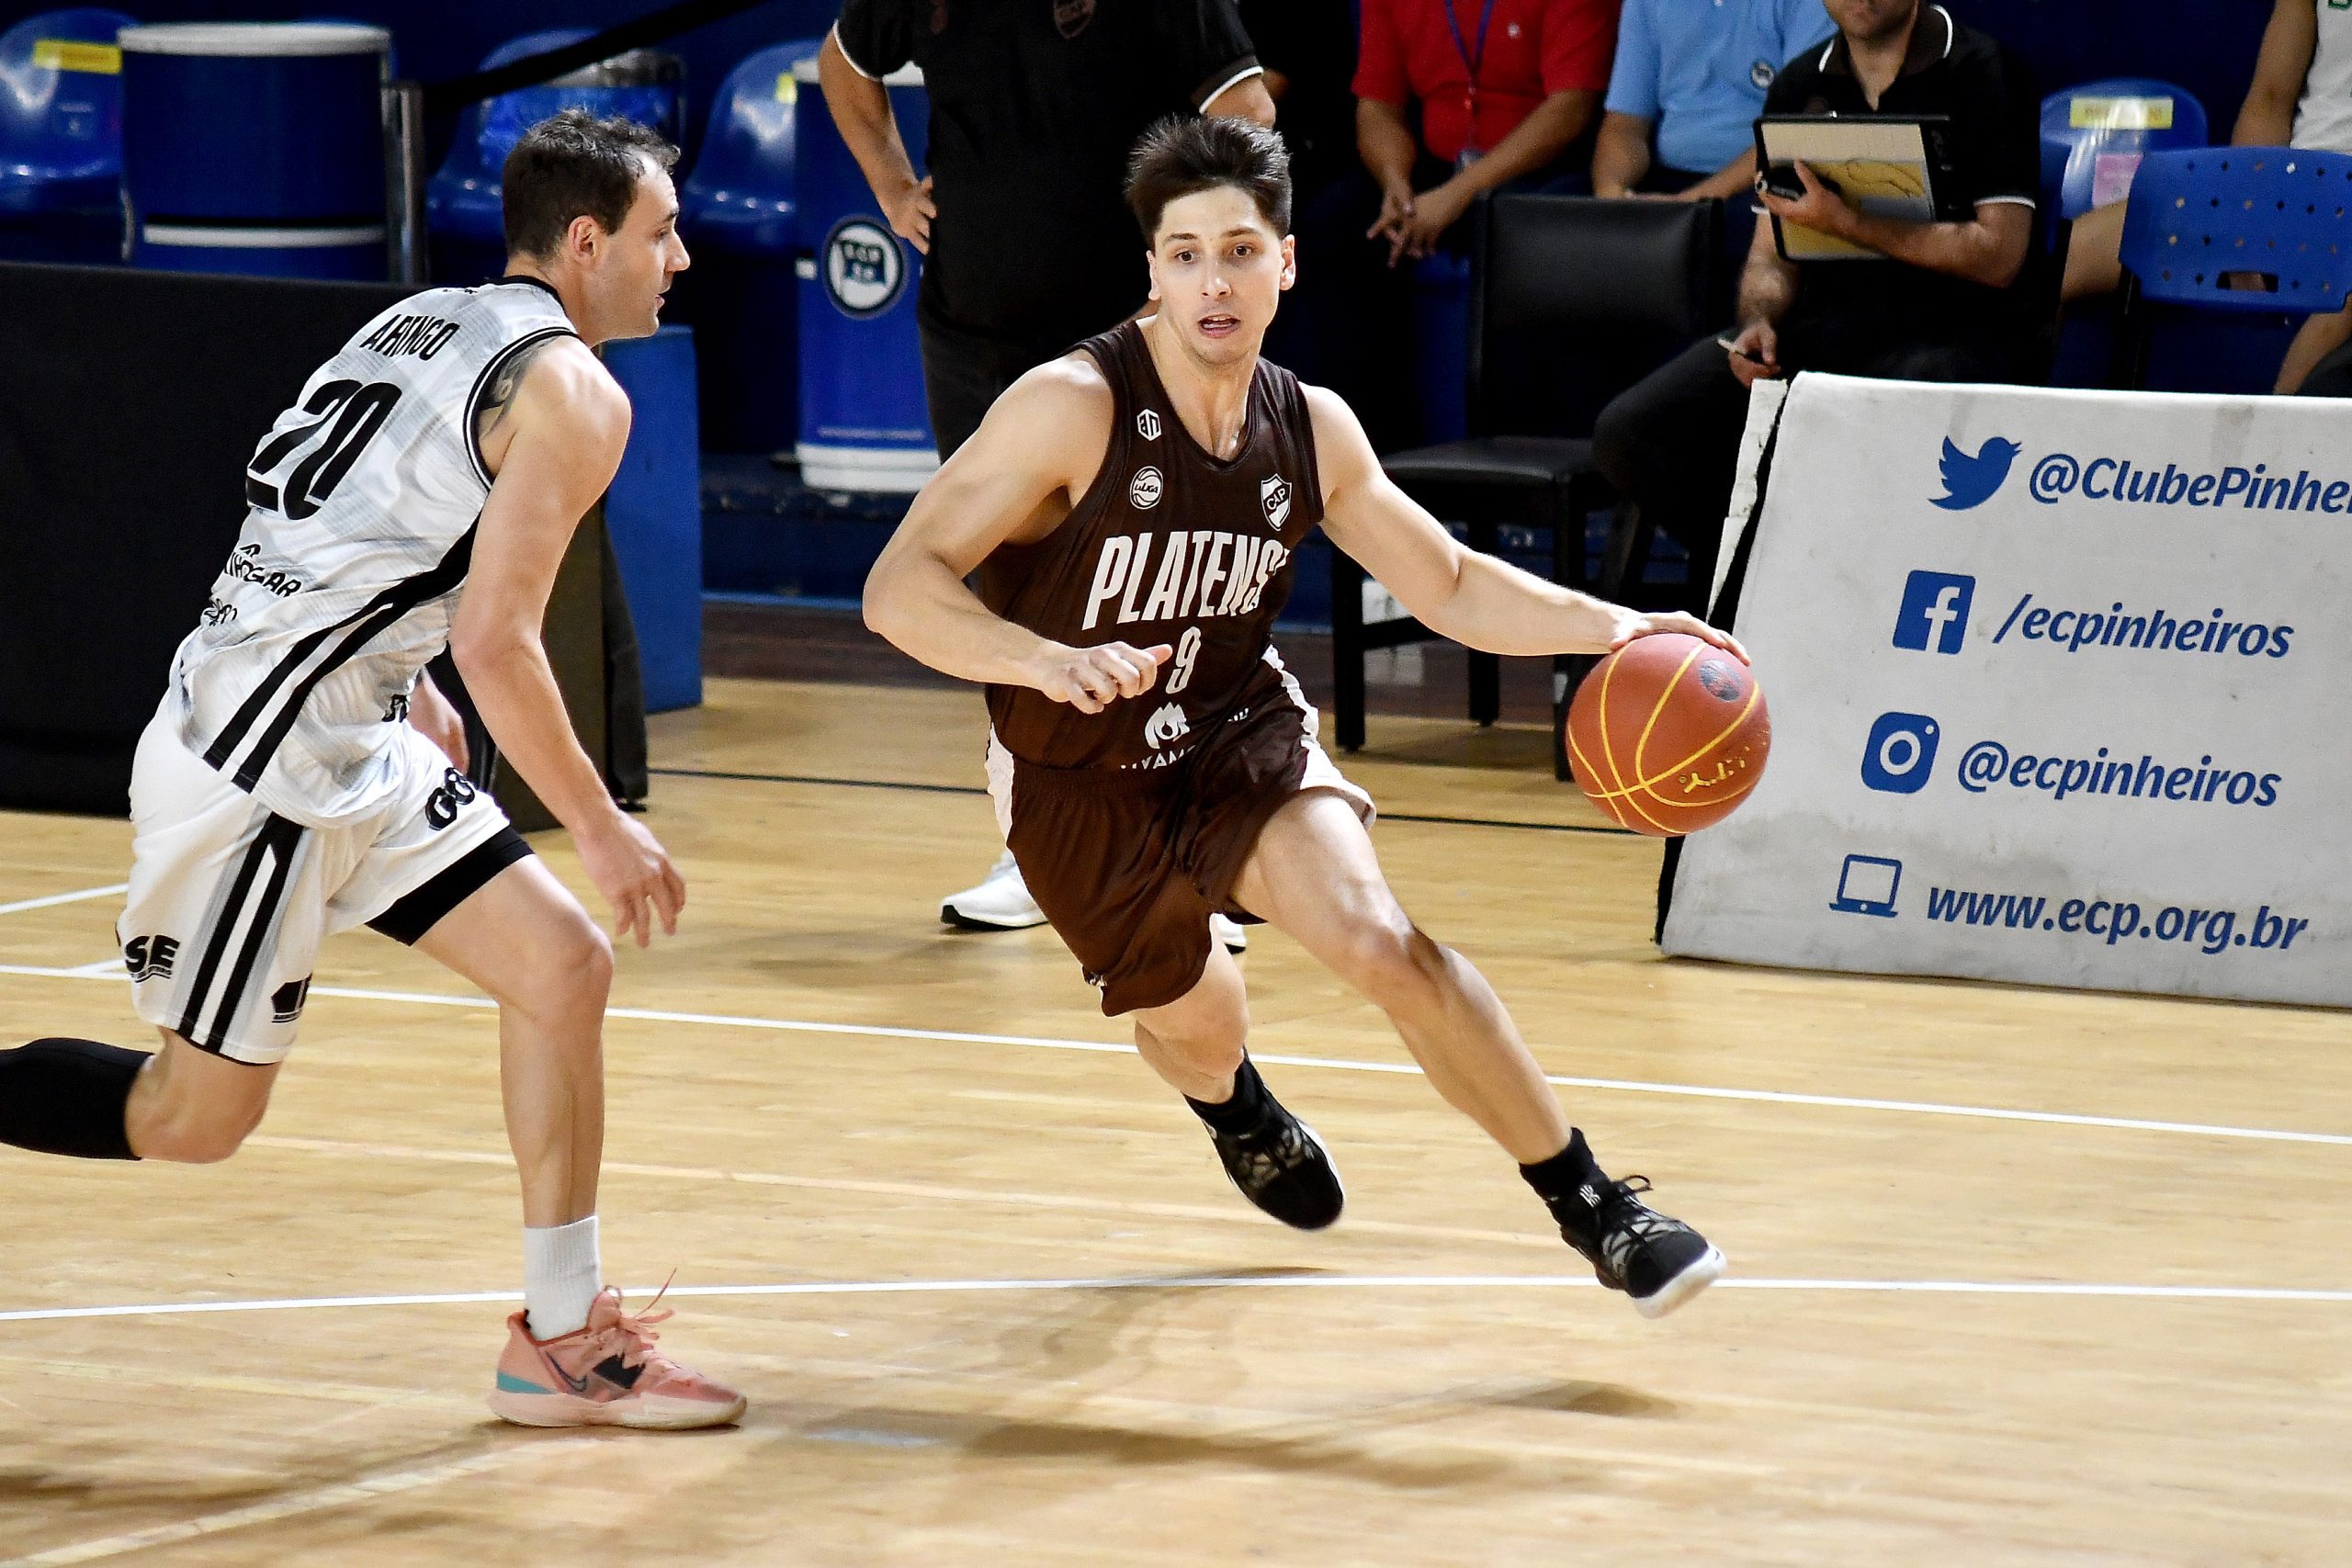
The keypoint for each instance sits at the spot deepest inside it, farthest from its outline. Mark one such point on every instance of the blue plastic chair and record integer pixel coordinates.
(741, 220)
(2197, 217)
(744, 193)
(61, 137)
(2093, 137)
(462, 207)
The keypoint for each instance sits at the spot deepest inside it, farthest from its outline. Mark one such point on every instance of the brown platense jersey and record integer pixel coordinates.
(1167, 546)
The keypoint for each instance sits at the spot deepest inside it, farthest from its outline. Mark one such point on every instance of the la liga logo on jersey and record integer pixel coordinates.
(1274, 494)
(1144, 490)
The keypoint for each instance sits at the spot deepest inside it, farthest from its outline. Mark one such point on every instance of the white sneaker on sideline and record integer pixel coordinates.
(999, 903)
(1227, 933)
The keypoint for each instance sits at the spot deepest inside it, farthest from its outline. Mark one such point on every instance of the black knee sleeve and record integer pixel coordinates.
(66, 1096)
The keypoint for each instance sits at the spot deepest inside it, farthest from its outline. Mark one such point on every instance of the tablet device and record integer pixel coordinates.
(1895, 166)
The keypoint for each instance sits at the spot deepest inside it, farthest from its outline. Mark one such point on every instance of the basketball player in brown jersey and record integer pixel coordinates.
(1134, 511)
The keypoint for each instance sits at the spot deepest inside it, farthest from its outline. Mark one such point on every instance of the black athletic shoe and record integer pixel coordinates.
(1283, 1167)
(1660, 1262)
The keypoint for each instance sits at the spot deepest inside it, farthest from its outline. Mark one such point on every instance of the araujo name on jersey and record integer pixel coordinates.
(420, 335)
(1202, 574)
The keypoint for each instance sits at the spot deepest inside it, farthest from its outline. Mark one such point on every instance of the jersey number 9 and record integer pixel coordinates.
(1188, 654)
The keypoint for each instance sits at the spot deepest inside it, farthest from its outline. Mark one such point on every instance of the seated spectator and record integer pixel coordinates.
(1683, 96)
(2300, 96)
(1507, 90)
(1950, 301)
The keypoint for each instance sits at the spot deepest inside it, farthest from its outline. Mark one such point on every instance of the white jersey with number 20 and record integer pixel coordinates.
(364, 497)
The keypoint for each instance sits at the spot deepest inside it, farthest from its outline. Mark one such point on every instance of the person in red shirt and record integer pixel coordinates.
(1509, 92)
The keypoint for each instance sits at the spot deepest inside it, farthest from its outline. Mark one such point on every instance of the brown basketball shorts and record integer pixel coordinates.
(1129, 863)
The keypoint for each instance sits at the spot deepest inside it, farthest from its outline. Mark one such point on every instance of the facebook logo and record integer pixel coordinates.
(1935, 611)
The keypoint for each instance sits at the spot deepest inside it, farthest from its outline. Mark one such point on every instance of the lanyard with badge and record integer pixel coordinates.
(1470, 62)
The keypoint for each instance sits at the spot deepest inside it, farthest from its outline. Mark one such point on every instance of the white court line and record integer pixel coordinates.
(1227, 1283)
(1407, 1069)
(56, 898)
(365, 1489)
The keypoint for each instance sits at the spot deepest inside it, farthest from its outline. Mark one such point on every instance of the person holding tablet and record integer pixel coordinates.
(1960, 301)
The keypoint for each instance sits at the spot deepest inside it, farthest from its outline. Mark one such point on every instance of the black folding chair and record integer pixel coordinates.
(1614, 287)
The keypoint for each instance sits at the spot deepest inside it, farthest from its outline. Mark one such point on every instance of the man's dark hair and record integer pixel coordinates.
(574, 163)
(1182, 156)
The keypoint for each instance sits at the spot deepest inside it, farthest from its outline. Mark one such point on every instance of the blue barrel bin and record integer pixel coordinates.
(741, 223)
(61, 138)
(463, 204)
(256, 147)
(864, 426)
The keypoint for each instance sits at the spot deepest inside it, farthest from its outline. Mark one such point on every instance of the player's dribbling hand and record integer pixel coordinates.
(1633, 626)
(633, 871)
(1091, 679)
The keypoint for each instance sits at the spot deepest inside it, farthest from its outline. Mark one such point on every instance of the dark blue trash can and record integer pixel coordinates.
(864, 426)
(463, 209)
(741, 226)
(256, 147)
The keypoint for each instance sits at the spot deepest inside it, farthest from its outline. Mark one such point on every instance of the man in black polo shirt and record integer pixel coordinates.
(1028, 241)
(1956, 301)
(1023, 222)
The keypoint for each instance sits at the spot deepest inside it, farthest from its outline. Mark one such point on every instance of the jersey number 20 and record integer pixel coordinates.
(350, 414)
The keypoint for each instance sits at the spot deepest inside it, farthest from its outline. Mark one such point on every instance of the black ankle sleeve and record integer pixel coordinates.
(1245, 1111)
(1563, 1181)
(66, 1096)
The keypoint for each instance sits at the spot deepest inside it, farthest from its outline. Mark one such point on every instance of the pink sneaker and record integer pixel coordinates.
(606, 1374)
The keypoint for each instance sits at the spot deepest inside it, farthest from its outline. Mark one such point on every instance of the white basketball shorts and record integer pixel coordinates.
(229, 902)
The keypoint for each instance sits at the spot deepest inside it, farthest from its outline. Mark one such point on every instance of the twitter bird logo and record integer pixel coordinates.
(1970, 481)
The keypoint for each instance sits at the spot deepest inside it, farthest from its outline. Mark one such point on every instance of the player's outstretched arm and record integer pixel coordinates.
(1473, 599)
(552, 430)
(1012, 482)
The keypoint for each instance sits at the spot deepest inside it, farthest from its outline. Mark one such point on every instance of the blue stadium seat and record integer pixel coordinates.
(462, 203)
(2198, 219)
(2094, 135)
(61, 137)
(742, 195)
(740, 222)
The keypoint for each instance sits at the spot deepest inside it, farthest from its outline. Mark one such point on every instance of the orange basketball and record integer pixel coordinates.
(1667, 734)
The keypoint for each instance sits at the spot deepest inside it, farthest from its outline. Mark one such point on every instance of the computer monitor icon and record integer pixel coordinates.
(1866, 885)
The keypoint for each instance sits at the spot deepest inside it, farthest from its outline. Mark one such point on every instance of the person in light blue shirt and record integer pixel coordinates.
(1690, 75)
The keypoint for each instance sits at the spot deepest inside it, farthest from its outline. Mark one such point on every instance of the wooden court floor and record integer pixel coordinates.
(2019, 1277)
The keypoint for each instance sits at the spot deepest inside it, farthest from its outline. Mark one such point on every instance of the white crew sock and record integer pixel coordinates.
(562, 1274)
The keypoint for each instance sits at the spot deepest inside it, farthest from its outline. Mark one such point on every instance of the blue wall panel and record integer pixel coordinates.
(2206, 46)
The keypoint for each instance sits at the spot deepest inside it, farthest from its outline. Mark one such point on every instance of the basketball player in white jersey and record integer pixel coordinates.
(1134, 510)
(419, 495)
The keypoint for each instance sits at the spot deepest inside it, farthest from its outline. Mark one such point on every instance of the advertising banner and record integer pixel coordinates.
(2059, 694)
